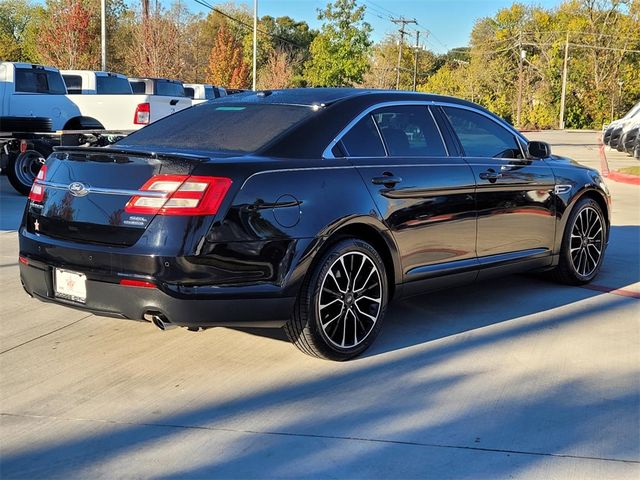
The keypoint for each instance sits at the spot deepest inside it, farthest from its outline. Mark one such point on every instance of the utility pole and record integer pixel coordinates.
(521, 54)
(415, 61)
(563, 96)
(103, 34)
(255, 42)
(403, 23)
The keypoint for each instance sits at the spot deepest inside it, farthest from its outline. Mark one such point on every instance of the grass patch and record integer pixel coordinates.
(630, 170)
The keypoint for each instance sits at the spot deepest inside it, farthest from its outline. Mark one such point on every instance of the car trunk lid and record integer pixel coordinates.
(86, 192)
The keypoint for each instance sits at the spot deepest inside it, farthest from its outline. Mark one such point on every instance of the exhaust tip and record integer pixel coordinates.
(159, 321)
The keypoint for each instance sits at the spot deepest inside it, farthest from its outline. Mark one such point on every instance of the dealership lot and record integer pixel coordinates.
(515, 377)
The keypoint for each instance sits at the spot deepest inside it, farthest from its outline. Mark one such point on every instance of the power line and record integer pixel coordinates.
(246, 25)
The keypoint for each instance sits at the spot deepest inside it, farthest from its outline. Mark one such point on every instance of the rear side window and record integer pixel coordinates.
(169, 89)
(36, 80)
(363, 140)
(220, 127)
(409, 131)
(138, 88)
(189, 92)
(111, 85)
(73, 83)
(482, 137)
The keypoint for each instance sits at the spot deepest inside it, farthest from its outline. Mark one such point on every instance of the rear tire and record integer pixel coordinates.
(342, 303)
(23, 168)
(583, 244)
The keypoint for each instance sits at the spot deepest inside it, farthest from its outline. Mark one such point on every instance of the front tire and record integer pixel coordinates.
(583, 244)
(342, 303)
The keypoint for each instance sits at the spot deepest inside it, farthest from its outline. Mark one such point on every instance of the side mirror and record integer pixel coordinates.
(538, 149)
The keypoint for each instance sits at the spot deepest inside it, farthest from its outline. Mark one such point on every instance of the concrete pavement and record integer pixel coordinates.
(514, 378)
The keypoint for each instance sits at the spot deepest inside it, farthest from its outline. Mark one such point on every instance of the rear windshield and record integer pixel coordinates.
(37, 80)
(171, 89)
(216, 127)
(108, 85)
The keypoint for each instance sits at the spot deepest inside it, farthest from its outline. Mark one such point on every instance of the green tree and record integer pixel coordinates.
(339, 54)
(15, 19)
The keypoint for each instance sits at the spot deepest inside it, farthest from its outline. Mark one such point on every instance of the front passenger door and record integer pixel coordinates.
(514, 195)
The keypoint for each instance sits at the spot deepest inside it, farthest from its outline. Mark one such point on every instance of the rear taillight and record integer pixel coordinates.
(37, 189)
(179, 195)
(143, 114)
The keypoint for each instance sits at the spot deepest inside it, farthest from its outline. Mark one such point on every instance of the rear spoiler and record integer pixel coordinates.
(126, 151)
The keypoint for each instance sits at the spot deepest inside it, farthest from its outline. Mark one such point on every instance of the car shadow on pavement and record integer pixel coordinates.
(444, 313)
(399, 427)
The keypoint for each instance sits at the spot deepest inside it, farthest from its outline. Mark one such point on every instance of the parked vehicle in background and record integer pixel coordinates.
(220, 215)
(628, 136)
(613, 131)
(201, 92)
(166, 97)
(33, 99)
(107, 100)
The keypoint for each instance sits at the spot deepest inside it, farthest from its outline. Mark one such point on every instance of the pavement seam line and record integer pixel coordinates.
(44, 335)
(326, 437)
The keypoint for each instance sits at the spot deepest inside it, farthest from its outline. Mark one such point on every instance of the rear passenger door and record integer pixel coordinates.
(514, 194)
(424, 196)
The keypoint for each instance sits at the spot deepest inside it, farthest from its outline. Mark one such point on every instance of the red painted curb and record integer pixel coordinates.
(615, 176)
(624, 178)
(615, 291)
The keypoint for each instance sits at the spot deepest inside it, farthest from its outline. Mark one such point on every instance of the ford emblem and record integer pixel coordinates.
(78, 189)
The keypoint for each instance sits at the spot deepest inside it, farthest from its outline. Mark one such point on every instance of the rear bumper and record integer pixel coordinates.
(253, 305)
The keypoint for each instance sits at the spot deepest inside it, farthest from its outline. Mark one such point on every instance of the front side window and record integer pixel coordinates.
(138, 87)
(409, 131)
(112, 85)
(209, 93)
(73, 83)
(480, 136)
(169, 89)
(39, 80)
(363, 140)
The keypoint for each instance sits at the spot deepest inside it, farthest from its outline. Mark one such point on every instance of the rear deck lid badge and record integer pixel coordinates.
(78, 189)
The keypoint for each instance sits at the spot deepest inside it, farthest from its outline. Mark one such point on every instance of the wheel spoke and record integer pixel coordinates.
(364, 297)
(322, 307)
(336, 282)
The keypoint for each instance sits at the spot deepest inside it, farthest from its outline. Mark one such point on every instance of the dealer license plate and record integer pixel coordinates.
(70, 285)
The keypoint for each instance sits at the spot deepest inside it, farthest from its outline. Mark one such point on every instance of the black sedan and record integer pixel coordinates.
(307, 209)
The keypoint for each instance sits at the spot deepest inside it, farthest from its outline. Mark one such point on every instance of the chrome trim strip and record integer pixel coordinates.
(108, 191)
(327, 151)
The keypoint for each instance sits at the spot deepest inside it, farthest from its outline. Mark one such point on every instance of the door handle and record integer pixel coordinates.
(490, 175)
(388, 180)
(174, 102)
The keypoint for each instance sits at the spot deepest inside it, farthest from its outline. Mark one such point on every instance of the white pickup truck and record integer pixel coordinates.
(106, 100)
(201, 92)
(33, 98)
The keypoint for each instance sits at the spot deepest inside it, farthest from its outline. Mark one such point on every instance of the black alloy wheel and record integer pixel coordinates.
(583, 244)
(342, 303)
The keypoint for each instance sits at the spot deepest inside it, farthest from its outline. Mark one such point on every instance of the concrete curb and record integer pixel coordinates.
(615, 176)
